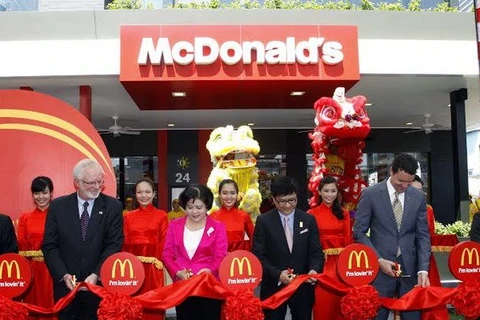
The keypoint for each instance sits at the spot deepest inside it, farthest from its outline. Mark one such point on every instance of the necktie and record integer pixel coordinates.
(288, 233)
(397, 210)
(84, 220)
(398, 213)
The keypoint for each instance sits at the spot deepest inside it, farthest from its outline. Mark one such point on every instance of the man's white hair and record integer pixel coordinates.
(82, 165)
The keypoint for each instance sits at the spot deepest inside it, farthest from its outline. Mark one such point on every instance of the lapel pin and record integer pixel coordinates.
(100, 212)
(301, 224)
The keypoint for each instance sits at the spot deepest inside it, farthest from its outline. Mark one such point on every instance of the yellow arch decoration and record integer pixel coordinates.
(42, 117)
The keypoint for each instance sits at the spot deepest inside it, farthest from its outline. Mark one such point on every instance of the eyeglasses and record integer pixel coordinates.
(93, 183)
(283, 202)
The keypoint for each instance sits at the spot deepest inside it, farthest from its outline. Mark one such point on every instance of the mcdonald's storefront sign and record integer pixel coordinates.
(15, 275)
(122, 272)
(464, 261)
(240, 269)
(357, 265)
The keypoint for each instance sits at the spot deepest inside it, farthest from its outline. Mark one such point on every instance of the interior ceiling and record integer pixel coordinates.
(396, 99)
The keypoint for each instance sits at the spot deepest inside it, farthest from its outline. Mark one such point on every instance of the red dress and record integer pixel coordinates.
(238, 223)
(335, 235)
(440, 313)
(31, 227)
(145, 232)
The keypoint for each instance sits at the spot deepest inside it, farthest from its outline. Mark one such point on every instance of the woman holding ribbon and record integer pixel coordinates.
(31, 227)
(145, 230)
(195, 244)
(335, 234)
(238, 223)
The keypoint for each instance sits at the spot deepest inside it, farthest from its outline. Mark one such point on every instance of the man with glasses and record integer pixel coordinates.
(286, 241)
(81, 231)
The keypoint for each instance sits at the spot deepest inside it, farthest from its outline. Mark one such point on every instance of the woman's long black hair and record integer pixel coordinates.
(336, 207)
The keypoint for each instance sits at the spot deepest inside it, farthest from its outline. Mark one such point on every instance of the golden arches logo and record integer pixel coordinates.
(123, 266)
(9, 266)
(358, 259)
(469, 253)
(240, 263)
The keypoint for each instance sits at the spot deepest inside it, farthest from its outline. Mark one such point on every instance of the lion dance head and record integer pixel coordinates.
(233, 156)
(342, 124)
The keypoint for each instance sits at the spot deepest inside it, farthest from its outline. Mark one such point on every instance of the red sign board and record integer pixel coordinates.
(464, 261)
(123, 273)
(15, 275)
(357, 265)
(241, 269)
(249, 61)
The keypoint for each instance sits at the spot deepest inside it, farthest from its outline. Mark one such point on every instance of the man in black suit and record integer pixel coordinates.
(287, 238)
(81, 231)
(8, 240)
(475, 230)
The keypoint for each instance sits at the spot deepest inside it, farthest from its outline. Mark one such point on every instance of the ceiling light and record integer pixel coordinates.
(297, 93)
(177, 94)
(368, 104)
(449, 105)
(408, 123)
(250, 124)
(170, 124)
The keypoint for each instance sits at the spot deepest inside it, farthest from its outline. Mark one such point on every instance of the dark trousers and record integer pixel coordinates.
(393, 288)
(84, 306)
(197, 308)
(301, 304)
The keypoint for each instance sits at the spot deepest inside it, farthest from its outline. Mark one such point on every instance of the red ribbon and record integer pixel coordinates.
(205, 285)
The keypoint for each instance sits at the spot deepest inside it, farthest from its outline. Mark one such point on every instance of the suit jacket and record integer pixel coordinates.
(210, 252)
(375, 211)
(475, 230)
(8, 240)
(63, 248)
(271, 248)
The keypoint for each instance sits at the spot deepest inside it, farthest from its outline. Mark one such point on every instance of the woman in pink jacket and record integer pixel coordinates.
(195, 243)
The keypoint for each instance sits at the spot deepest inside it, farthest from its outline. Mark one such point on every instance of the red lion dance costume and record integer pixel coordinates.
(337, 144)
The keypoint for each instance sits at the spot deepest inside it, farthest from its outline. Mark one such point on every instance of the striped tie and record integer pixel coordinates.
(398, 213)
(288, 233)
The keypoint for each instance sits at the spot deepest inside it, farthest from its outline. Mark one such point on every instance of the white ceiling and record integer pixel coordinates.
(396, 99)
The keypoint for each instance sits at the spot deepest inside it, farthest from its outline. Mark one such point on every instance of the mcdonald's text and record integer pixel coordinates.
(122, 272)
(6, 284)
(241, 269)
(464, 261)
(15, 275)
(357, 265)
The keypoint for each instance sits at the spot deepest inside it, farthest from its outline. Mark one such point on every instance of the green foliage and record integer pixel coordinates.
(128, 4)
(459, 228)
(414, 5)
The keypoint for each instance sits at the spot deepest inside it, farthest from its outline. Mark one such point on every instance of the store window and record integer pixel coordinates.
(128, 170)
(375, 167)
(269, 167)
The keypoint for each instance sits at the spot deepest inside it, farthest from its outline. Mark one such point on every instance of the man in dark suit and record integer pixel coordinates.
(287, 238)
(81, 231)
(8, 240)
(475, 230)
(395, 213)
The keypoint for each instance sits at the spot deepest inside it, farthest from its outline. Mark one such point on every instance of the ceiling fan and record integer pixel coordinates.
(117, 130)
(427, 127)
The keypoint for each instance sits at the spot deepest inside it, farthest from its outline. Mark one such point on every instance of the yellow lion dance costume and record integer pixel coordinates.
(233, 156)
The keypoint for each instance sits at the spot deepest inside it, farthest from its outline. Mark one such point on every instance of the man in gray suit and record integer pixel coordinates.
(395, 213)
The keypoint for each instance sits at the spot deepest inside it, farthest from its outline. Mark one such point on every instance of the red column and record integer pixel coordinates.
(162, 152)
(86, 102)
(204, 161)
